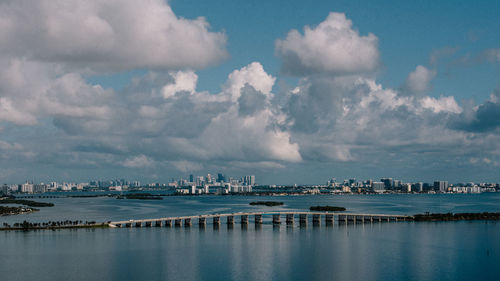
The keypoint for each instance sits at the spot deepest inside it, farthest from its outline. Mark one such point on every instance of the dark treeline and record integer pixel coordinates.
(456, 216)
(267, 203)
(141, 196)
(26, 202)
(4, 211)
(25, 225)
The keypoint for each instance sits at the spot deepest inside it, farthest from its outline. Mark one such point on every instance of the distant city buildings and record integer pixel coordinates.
(222, 184)
(441, 186)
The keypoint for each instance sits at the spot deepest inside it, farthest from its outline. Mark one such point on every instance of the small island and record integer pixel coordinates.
(140, 196)
(266, 203)
(25, 202)
(327, 209)
(456, 216)
(8, 211)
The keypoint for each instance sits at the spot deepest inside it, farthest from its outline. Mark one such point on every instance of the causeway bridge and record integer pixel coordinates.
(258, 218)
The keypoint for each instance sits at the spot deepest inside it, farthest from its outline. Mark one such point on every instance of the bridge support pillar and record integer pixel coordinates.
(316, 219)
(303, 219)
(148, 224)
(168, 223)
(289, 219)
(276, 219)
(187, 222)
(119, 225)
(258, 219)
(178, 222)
(216, 220)
(342, 219)
(329, 219)
(202, 221)
(128, 225)
(230, 220)
(244, 219)
(138, 224)
(158, 223)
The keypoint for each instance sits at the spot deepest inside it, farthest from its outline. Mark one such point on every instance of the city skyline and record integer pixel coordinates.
(293, 94)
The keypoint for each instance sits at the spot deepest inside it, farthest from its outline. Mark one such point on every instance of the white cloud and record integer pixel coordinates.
(253, 75)
(333, 47)
(30, 91)
(139, 161)
(187, 166)
(443, 104)
(107, 35)
(184, 81)
(419, 80)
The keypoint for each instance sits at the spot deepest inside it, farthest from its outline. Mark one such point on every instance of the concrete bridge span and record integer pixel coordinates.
(258, 218)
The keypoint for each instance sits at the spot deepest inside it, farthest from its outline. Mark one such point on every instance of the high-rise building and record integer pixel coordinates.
(378, 186)
(200, 181)
(441, 186)
(418, 187)
(27, 187)
(397, 184)
(191, 178)
(4, 189)
(388, 183)
(248, 180)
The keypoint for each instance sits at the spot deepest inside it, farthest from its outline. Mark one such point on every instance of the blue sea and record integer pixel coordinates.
(468, 250)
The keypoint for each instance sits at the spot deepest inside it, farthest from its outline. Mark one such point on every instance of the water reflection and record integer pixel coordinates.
(379, 251)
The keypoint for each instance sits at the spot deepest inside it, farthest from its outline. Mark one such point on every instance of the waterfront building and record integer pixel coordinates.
(441, 186)
(4, 189)
(388, 183)
(419, 187)
(27, 187)
(378, 186)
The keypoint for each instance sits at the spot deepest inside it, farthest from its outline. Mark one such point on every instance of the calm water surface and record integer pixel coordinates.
(387, 251)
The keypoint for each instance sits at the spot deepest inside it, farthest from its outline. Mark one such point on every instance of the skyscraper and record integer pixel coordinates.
(388, 183)
(441, 186)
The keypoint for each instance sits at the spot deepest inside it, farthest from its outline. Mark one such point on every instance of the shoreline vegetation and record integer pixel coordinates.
(266, 203)
(140, 196)
(26, 202)
(456, 217)
(327, 208)
(53, 225)
(68, 224)
(26, 208)
(10, 211)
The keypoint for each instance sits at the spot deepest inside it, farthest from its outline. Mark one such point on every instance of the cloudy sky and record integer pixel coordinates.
(293, 92)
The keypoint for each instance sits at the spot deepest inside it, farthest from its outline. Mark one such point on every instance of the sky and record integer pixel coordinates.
(293, 92)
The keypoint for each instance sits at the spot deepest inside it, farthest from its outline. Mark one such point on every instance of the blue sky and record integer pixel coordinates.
(146, 89)
(408, 32)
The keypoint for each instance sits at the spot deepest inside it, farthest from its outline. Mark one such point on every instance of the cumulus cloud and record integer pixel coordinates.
(31, 90)
(419, 80)
(107, 35)
(335, 114)
(253, 75)
(139, 161)
(184, 128)
(483, 118)
(332, 47)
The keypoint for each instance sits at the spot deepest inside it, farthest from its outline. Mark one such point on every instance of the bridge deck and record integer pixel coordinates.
(256, 213)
